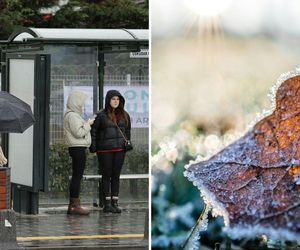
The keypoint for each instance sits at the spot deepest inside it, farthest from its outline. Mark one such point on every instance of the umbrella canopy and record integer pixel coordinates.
(256, 180)
(15, 115)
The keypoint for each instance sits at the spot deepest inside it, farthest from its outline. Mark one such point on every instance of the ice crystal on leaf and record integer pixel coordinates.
(254, 183)
(192, 243)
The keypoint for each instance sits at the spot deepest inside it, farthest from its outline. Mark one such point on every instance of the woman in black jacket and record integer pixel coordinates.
(108, 142)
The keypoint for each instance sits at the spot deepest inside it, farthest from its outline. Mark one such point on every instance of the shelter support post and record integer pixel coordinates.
(26, 202)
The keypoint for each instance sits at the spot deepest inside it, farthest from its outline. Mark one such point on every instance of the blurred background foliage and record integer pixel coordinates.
(176, 203)
(101, 14)
(213, 65)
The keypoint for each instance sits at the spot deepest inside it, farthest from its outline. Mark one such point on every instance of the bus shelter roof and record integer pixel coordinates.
(61, 35)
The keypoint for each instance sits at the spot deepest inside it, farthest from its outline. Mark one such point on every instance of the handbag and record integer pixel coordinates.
(127, 144)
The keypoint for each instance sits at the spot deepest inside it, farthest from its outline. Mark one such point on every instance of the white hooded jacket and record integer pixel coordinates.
(76, 130)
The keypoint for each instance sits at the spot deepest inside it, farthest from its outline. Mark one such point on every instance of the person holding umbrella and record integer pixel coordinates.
(16, 116)
(78, 139)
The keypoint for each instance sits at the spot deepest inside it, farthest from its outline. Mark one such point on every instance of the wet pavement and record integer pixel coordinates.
(54, 229)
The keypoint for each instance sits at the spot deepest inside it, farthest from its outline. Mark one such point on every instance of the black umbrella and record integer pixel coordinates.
(15, 115)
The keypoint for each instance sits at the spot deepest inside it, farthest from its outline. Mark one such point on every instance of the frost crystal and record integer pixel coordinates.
(297, 179)
(192, 242)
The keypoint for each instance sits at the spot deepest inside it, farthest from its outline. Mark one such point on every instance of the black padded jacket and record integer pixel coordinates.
(105, 134)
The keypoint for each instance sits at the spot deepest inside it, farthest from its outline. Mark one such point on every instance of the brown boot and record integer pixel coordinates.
(75, 208)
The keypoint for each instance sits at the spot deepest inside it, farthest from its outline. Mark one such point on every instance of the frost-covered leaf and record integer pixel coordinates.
(254, 182)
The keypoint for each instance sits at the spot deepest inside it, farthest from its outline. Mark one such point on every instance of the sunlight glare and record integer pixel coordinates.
(208, 8)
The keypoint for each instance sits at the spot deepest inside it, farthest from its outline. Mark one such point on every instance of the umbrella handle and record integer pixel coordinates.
(3, 159)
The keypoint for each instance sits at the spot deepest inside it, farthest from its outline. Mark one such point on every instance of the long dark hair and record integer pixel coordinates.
(117, 114)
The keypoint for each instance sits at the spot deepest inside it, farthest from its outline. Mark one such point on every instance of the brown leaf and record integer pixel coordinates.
(257, 178)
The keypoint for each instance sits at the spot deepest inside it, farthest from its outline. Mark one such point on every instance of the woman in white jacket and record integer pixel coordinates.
(78, 139)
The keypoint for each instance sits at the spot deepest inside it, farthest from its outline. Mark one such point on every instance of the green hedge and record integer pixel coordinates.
(136, 161)
(59, 167)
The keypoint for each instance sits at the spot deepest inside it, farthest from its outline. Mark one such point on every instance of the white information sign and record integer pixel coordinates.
(143, 53)
(136, 102)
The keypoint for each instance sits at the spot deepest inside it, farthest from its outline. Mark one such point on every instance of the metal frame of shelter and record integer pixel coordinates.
(31, 41)
(107, 41)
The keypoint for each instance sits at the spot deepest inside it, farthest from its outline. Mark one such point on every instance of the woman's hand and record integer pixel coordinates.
(91, 121)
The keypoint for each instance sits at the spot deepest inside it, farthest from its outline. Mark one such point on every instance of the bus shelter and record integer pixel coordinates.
(41, 67)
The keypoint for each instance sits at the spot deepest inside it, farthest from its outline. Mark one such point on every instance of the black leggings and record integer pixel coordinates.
(111, 164)
(78, 164)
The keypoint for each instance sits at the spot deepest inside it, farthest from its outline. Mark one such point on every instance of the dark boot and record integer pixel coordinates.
(75, 208)
(115, 206)
(107, 207)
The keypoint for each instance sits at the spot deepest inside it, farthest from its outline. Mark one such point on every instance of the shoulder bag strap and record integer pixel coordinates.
(121, 131)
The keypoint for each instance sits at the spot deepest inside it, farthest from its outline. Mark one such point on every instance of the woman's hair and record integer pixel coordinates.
(118, 114)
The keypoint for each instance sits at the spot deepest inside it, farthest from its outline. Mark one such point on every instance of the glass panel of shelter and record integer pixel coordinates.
(130, 75)
(75, 67)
